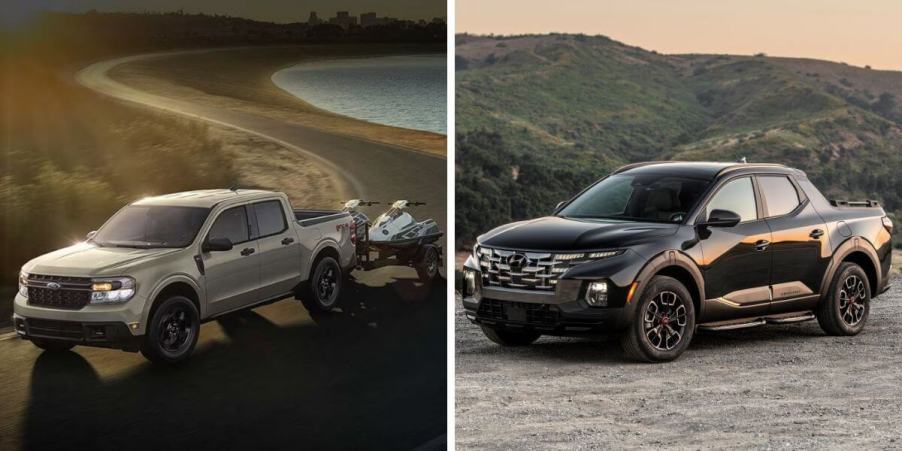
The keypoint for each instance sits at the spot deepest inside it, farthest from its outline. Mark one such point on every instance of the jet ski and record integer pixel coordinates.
(396, 238)
(396, 227)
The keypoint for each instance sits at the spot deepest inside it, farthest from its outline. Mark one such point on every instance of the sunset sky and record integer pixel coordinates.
(859, 32)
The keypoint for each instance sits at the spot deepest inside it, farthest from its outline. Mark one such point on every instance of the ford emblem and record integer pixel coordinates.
(53, 285)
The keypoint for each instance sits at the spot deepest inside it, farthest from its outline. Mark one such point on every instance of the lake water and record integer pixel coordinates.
(403, 91)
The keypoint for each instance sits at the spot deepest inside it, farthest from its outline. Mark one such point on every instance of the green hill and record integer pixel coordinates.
(539, 117)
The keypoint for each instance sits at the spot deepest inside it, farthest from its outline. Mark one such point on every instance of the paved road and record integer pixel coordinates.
(770, 387)
(270, 378)
(371, 377)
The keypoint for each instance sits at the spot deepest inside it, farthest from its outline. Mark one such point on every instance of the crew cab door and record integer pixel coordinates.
(232, 277)
(799, 247)
(736, 262)
(280, 249)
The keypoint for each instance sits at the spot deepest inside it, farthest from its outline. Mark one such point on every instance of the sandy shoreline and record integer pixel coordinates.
(240, 79)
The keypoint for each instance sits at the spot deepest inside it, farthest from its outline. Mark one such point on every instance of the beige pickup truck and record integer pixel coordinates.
(161, 266)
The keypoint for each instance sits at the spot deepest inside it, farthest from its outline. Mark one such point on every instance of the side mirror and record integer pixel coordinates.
(90, 235)
(217, 245)
(721, 218)
(559, 205)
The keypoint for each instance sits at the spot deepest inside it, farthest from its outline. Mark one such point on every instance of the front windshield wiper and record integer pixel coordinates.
(132, 245)
(624, 218)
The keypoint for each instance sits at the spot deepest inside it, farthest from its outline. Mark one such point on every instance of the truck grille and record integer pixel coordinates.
(51, 328)
(524, 270)
(70, 293)
(517, 312)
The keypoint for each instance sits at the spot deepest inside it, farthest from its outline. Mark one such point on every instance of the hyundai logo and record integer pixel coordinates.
(518, 261)
(53, 285)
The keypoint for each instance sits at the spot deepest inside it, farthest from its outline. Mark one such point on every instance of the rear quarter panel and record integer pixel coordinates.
(315, 236)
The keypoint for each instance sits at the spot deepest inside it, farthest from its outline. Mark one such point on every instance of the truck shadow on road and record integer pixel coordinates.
(373, 377)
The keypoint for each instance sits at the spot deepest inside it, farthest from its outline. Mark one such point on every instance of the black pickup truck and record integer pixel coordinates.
(656, 251)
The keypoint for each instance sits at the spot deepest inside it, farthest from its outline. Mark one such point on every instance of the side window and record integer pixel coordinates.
(780, 196)
(270, 217)
(737, 196)
(231, 224)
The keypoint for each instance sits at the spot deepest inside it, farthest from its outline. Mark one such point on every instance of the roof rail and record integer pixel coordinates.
(753, 165)
(639, 165)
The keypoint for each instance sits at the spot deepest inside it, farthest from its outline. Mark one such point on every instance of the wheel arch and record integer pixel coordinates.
(676, 264)
(177, 286)
(859, 251)
(326, 250)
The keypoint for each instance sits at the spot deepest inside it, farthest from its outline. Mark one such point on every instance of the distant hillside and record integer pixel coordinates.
(539, 117)
(70, 36)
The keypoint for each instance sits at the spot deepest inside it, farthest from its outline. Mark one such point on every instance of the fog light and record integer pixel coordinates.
(597, 294)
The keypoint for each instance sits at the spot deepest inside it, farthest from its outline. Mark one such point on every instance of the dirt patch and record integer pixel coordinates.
(770, 387)
(267, 165)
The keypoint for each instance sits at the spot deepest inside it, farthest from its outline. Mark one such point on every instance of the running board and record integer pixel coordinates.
(786, 318)
(791, 318)
(732, 325)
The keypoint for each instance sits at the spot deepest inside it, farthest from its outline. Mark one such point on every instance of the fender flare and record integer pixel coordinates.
(664, 260)
(847, 247)
(326, 243)
(169, 280)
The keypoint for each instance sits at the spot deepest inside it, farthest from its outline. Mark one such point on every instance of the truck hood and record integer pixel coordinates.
(86, 260)
(556, 234)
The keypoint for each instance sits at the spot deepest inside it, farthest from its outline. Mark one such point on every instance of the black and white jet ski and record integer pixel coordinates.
(396, 238)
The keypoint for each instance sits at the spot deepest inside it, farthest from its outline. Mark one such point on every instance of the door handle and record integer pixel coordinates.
(761, 245)
(816, 233)
(247, 251)
(287, 241)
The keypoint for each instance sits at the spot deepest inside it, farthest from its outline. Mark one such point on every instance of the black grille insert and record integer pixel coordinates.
(52, 328)
(61, 292)
(518, 312)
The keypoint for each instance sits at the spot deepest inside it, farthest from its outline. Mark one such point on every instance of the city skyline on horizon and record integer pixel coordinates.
(277, 11)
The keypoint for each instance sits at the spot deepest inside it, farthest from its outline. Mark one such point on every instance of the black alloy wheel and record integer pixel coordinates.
(172, 332)
(844, 311)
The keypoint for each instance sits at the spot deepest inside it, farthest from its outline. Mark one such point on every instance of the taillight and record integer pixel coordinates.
(888, 224)
(353, 228)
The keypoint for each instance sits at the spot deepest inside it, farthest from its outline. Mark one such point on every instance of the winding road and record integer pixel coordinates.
(360, 168)
(371, 377)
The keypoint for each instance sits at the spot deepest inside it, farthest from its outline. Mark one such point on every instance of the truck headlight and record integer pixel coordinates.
(597, 294)
(469, 282)
(112, 290)
(23, 284)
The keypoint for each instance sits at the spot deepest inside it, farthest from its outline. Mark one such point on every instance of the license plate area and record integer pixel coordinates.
(515, 312)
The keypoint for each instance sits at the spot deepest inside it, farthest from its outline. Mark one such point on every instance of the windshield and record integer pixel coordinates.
(643, 198)
(151, 226)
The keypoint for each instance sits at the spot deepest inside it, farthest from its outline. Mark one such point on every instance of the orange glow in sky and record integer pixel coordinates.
(858, 32)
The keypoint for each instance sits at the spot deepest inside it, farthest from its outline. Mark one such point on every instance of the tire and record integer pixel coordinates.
(427, 267)
(323, 291)
(172, 332)
(52, 345)
(510, 338)
(664, 322)
(845, 309)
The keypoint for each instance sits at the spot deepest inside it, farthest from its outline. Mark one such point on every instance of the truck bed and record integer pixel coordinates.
(306, 217)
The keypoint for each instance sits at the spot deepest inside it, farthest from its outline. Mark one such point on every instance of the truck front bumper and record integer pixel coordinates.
(110, 326)
(546, 313)
(563, 311)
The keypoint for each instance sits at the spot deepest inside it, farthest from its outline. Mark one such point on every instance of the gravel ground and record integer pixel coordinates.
(784, 386)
